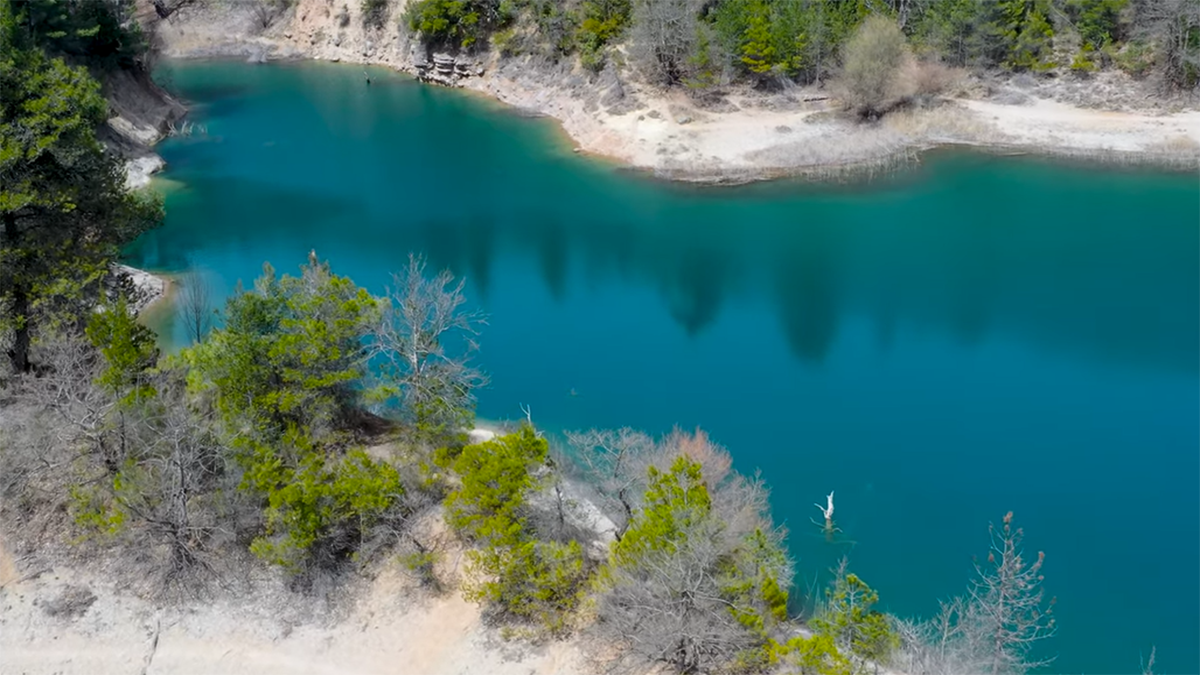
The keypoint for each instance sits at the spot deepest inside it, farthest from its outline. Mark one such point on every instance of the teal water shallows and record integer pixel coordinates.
(976, 336)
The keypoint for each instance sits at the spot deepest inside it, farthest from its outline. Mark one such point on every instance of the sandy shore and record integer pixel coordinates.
(750, 135)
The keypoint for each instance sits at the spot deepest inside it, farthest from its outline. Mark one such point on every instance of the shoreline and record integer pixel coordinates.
(751, 136)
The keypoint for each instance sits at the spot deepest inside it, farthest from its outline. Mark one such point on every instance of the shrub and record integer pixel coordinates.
(458, 23)
(539, 581)
(517, 574)
(318, 509)
(850, 622)
(496, 477)
(816, 655)
(871, 69)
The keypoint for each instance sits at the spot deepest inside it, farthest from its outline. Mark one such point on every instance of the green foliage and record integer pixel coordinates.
(674, 501)
(293, 351)
(64, 208)
(793, 37)
(505, 42)
(318, 508)
(526, 578)
(128, 349)
(1135, 57)
(495, 478)
(758, 52)
(1024, 34)
(603, 21)
(1099, 22)
(850, 621)
(458, 23)
(816, 655)
(99, 33)
(953, 30)
(540, 581)
(1083, 61)
(93, 510)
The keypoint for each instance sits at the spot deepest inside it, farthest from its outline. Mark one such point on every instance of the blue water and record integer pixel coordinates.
(973, 336)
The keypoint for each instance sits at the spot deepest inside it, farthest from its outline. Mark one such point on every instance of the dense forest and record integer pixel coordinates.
(702, 43)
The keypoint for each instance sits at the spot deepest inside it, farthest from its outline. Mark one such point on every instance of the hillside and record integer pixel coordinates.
(742, 128)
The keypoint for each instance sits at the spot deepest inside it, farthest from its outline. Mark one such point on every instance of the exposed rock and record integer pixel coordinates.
(140, 287)
(139, 169)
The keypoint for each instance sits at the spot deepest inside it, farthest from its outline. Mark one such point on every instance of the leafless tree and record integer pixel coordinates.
(430, 382)
(195, 298)
(1008, 602)
(874, 58)
(615, 462)
(168, 493)
(669, 608)
(1174, 26)
(266, 11)
(671, 603)
(944, 645)
(991, 630)
(663, 37)
(85, 413)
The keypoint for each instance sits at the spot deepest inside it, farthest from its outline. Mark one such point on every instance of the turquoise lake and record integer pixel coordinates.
(969, 336)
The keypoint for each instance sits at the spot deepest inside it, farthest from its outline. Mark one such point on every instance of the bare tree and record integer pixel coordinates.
(663, 37)
(1007, 602)
(431, 386)
(195, 299)
(615, 461)
(1174, 26)
(991, 630)
(65, 388)
(266, 11)
(669, 607)
(669, 599)
(874, 58)
(167, 494)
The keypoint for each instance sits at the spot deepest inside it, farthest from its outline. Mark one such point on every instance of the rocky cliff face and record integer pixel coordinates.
(334, 30)
(142, 115)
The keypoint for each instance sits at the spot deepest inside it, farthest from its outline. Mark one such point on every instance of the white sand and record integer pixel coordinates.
(393, 627)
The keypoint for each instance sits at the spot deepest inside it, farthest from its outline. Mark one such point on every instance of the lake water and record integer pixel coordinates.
(974, 336)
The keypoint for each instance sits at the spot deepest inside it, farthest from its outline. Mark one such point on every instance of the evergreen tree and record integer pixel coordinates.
(64, 208)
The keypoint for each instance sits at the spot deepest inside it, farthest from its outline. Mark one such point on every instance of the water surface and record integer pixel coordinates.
(974, 336)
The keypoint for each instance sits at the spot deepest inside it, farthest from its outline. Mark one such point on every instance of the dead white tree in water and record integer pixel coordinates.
(827, 512)
(1148, 666)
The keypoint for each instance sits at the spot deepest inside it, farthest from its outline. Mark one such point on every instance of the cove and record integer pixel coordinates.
(972, 336)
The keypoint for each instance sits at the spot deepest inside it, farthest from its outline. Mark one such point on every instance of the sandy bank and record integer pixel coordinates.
(748, 135)
(74, 621)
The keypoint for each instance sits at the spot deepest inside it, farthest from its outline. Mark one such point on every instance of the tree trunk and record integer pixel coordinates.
(19, 354)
